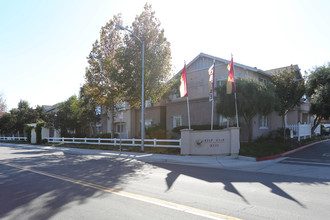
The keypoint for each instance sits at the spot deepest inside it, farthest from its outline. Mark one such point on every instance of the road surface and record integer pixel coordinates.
(42, 184)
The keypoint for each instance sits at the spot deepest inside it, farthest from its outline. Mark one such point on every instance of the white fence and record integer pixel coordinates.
(301, 130)
(117, 142)
(13, 138)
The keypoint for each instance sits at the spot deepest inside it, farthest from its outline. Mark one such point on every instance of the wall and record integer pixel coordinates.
(217, 142)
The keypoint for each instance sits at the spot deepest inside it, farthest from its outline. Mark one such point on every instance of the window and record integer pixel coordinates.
(121, 106)
(263, 80)
(148, 103)
(121, 127)
(219, 83)
(176, 96)
(226, 122)
(177, 121)
(148, 123)
(98, 110)
(263, 121)
(99, 128)
(223, 121)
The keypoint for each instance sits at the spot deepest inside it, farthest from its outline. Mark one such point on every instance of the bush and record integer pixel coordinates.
(156, 131)
(27, 130)
(105, 135)
(197, 127)
(38, 131)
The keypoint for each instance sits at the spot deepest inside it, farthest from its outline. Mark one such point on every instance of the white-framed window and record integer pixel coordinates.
(226, 121)
(148, 103)
(263, 121)
(121, 127)
(176, 96)
(98, 110)
(99, 128)
(220, 82)
(263, 80)
(148, 123)
(223, 121)
(121, 107)
(177, 121)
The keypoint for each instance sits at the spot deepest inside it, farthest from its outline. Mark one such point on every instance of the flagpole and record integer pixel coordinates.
(212, 86)
(188, 112)
(187, 100)
(235, 95)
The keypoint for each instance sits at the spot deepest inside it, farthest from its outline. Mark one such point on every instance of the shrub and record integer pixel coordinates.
(197, 127)
(38, 131)
(156, 131)
(27, 130)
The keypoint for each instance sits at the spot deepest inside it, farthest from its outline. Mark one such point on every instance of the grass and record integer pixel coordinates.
(265, 147)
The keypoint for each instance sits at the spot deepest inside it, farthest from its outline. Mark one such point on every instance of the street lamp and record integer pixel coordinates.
(142, 101)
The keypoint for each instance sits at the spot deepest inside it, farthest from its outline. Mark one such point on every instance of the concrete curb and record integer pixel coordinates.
(289, 152)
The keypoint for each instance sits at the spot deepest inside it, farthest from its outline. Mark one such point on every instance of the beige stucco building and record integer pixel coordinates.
(172, 112)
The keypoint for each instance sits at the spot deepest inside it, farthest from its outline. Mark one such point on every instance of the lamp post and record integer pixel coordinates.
(142, 101)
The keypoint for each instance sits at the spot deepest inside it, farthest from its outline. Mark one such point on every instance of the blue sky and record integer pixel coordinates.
(44, 44)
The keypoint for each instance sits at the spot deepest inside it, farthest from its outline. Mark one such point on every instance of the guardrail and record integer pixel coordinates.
(13, 138)
(170, 143)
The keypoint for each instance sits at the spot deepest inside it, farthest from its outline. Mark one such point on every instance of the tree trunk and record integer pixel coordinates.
(112, 113)
(316, 123)
(249, 124)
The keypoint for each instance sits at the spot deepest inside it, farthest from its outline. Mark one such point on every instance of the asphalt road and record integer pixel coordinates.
(317, 155)
(41, 184)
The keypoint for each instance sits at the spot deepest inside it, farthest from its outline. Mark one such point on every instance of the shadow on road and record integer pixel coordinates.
(228, 177)
(28, 195)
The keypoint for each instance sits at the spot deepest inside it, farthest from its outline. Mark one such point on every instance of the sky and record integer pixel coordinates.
(44, 44)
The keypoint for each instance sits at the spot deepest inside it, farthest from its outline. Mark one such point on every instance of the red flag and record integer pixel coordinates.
(183, 83)
(231, 78)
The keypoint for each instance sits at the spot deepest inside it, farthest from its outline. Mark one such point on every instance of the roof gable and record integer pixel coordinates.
(204, 61)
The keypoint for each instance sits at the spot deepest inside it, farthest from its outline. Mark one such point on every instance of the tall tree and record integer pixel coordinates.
(318, 91)
(91, 113)
(253, 98)
(103, 67)
(3, 105)
(157, 60)
(69, 117)
(290, 88)
(23, 115)
(7, 124)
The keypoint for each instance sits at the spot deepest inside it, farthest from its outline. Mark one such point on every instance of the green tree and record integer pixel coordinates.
(68, 117)
(318, 91)
(103, 67)
(3, 105)
(253, 98)
(22, 115)
(90, 111)
(157, 60)
(289, 88)
(7, 124)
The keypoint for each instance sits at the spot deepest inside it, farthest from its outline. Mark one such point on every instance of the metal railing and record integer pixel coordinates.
(13, 138)
(170, 143)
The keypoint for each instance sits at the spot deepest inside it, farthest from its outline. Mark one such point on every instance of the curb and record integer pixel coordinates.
(289, 152)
